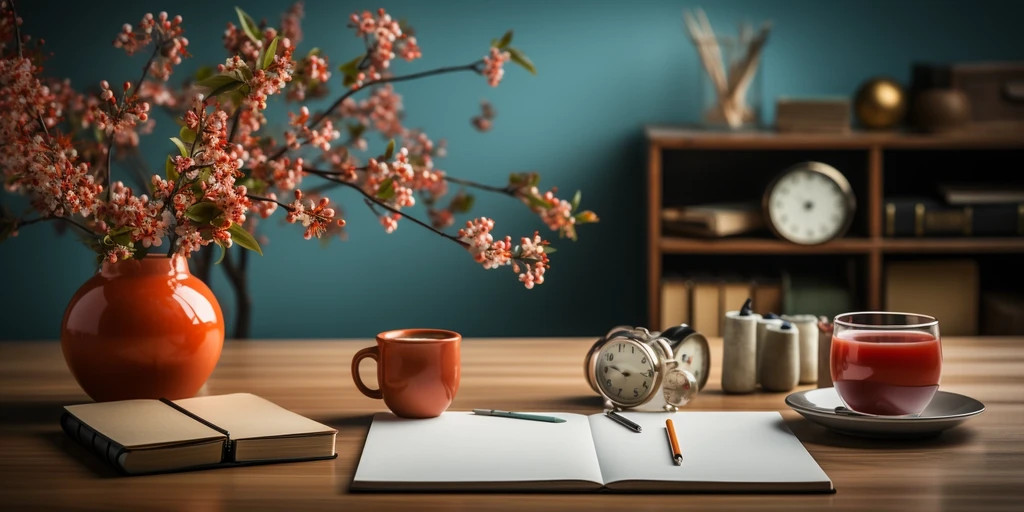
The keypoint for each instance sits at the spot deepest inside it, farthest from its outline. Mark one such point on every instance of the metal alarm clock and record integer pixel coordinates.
(633, 368)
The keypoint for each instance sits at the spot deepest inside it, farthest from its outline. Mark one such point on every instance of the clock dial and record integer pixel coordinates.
(680, 387)
(809, 207)
(692, 356)
(625, 371)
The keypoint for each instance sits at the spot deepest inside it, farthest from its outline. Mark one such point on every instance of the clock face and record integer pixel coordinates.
(680, 387)
(810, 207)
(625, 371)
(692, 356)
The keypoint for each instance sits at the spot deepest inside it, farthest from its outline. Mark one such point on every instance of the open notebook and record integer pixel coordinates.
(722, 451)
(153, 436)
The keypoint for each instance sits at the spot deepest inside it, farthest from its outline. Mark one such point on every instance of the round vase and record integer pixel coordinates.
(142, 329)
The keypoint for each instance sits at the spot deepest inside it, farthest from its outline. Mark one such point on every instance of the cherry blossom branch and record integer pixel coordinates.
(65, 219)
(491, 188)
(17, 30)
(390, 79)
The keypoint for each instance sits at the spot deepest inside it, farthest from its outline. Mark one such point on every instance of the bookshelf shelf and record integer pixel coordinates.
(683, 160)
(953, 245)
(682, 245)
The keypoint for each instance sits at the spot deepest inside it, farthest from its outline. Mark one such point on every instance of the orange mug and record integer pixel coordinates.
(417, 371)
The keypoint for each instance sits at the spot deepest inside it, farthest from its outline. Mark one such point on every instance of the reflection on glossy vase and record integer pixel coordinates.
(142, 329)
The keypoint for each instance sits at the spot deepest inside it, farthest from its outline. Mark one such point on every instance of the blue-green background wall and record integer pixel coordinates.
(606, 68)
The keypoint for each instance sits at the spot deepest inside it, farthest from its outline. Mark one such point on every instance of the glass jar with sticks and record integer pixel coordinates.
(730, 82)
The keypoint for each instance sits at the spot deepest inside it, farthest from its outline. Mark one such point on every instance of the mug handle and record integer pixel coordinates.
(372, 353)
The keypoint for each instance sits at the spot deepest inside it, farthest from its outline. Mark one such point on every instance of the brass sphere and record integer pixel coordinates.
(880, 103)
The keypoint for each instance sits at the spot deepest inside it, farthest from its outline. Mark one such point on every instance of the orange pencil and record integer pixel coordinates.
(677, 454)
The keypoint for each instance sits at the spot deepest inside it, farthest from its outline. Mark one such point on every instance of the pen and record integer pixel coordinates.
(518, 415)
(677, 455)
(624, 421)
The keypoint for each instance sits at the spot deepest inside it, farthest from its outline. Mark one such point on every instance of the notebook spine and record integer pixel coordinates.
(107, 450)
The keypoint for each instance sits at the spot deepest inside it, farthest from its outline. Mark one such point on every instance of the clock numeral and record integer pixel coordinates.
(606, 369)
(620, 391)
(632, 349)
(636, 392)
(645, 384)
(608, 383)
(620, 347)
(643, 360)
(610, 356)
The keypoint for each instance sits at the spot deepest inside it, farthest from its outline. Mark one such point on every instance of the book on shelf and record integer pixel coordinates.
(767, 295)
(812, 115)
(751, 451)
(816, 294)
(923, 217)
(156, 436)
(712, 220)
(982, 193)
(675, 302)
(944, 289)
(733, 293)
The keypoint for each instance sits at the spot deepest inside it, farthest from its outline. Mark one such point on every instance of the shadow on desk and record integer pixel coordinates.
(31, 413)
(85, 458)
(810, 433)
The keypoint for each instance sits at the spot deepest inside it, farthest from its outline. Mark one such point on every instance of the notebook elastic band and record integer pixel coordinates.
(192, 415)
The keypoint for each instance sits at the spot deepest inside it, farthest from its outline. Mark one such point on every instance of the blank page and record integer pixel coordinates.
(142, 423)
(722, 451)
(466, 451)
(247, 416)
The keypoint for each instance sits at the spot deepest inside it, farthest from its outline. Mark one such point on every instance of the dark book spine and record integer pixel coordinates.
(912, 218)
(99, 444)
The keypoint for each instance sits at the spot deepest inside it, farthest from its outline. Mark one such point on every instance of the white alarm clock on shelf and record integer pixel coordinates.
(809, 203)
(635, 369)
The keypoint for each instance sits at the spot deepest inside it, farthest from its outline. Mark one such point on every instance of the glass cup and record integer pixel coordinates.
(886, 364)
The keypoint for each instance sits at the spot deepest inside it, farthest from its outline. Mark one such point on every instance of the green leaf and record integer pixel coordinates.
(170, 170)
(187, 135)
(220, 84)
(576, 200)
(253, 185)
(248, 25)
(141, 252)
(350, 70)
(242, 237)
(462, 203)
(314, 51)
(548, 249)
(537, 202)
(223, 251)
(356, 130)
(203, 212)
(181, 146)
(204, 72)
(386, 190)
(268, 56)
(520, 58)
(505, 40)
(390, 151)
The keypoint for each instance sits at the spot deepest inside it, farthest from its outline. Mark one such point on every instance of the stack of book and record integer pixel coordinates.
(812, 115)
(961, 210)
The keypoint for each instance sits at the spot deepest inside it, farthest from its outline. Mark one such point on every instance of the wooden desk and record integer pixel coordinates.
(975, 466)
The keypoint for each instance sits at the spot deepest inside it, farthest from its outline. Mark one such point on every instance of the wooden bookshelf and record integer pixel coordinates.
(869, 244)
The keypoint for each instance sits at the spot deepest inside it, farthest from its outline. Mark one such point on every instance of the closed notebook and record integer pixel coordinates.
(153, 436)
(457, 451)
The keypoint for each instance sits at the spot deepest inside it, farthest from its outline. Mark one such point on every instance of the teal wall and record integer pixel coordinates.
(606, 68)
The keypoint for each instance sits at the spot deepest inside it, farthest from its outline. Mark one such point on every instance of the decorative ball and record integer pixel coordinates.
(880, 103)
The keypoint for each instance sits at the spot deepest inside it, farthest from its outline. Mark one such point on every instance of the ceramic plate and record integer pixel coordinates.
(946, 410)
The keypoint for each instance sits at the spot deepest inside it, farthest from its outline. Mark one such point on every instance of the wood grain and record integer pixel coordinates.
(670, 137)
(979, 465)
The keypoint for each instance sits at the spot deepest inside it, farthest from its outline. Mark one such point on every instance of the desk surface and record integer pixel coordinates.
(977, 465)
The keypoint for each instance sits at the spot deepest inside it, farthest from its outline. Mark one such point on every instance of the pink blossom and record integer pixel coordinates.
(164, 32)
(291, 22)
(315, 217)
(493, 66)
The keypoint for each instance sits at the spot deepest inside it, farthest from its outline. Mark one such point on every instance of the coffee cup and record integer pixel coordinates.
(417, 371)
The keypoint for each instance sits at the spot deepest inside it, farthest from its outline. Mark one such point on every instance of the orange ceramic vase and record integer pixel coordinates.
(142, 329)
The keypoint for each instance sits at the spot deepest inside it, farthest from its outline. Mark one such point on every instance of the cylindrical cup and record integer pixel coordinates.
(807, 325)
(780, 358)
(417, 371)
(824, 352)
(739, 353)
(886, 364)
(762, 326)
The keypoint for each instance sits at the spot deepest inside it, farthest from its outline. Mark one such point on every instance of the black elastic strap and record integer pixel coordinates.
(192, 415)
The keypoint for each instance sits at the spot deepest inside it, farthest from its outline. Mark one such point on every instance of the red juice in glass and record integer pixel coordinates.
(886, 364)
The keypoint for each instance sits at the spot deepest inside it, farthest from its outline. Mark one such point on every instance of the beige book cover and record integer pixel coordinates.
(675, 302)
(706, 306)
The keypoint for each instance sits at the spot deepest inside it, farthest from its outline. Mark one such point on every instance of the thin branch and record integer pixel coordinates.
(73, 222)
(337, 103)
(17, 31)
(157, 46)
(234, 124)
(509, 190)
